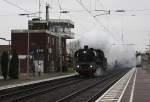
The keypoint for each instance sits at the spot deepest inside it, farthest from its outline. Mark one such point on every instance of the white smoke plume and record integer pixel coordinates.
(123, 54)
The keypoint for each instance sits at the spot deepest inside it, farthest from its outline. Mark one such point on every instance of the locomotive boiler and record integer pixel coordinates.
(90, 61)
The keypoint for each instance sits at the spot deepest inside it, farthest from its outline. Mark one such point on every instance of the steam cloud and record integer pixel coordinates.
(123, 54)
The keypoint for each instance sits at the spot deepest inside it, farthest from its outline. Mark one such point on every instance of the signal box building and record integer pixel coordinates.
(45, 43)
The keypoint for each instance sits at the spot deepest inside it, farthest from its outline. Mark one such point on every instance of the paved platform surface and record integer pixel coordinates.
(138, 89)
(25, 79)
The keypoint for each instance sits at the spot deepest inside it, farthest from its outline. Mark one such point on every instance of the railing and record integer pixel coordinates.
(67, 34)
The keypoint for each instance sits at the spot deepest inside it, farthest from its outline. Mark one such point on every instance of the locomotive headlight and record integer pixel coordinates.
(77, 66)
(91, 66)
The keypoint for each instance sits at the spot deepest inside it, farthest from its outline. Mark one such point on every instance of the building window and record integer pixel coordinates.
(63, 58)
(67, 30)
(48, 57)
(63, 29)
(40, 50)
(53, 41)
(56, 29)
(60, 29)
(63, 43)
(48, 39)
(52, 29)
(50, 50)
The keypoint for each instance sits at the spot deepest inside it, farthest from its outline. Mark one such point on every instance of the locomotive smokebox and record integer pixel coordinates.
(90, 61)
(85, 47)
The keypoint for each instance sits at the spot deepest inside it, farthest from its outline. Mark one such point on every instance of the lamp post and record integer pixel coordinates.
(28, 52)
(28, 36)
(60, 41)
(122, 35)
(28, 42)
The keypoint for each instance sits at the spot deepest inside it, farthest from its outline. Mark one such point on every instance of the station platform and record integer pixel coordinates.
(138, 89)
(25, 80)
(132, 87)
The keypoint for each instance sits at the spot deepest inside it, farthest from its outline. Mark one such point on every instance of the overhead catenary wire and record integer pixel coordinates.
(108, 17)
(19, 7)
(4, 15)
(72, 16)
(99, 22)
(98, 1)
(139, 10)
(90, 13)
(60, 8)
(15, 5)
(95, 9)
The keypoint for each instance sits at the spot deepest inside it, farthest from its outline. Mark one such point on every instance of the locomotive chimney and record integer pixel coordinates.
(85, 47)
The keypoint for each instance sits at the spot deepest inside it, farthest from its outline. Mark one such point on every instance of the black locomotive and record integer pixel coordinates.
(90, 61)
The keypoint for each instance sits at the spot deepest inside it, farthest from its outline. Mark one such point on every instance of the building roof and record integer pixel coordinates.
(66, 22)
(32, 31)
(49, 26)
(54, 22)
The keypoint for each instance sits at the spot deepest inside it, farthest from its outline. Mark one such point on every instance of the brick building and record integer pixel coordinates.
(45, 42)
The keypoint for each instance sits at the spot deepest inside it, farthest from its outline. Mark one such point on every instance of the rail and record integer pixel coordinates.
(113, 78)
(116, 92)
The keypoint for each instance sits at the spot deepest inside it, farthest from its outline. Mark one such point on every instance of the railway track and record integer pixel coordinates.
(72, 89)
(92, 92)
(20, 93)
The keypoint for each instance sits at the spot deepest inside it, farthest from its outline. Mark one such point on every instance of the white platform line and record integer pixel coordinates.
(125, 88)
(127, 75)
(110, 100)
(133, 87)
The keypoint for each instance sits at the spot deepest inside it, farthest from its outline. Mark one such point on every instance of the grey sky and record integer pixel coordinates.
(135, 28)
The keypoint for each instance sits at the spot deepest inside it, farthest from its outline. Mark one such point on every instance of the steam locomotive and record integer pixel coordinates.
(89, 61)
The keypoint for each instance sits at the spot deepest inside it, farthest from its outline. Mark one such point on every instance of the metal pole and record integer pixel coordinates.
(60, 47)
(9, 47)
(28, 37)
(39, 9)
(28, 54)
(122, 30)
(19, 67)
(9, 55)
(60, 52)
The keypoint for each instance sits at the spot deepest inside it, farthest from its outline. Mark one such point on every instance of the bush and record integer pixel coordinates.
(4, 64)
(14, 66)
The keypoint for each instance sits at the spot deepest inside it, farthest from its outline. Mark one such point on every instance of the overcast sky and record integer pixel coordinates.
(134, 23)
